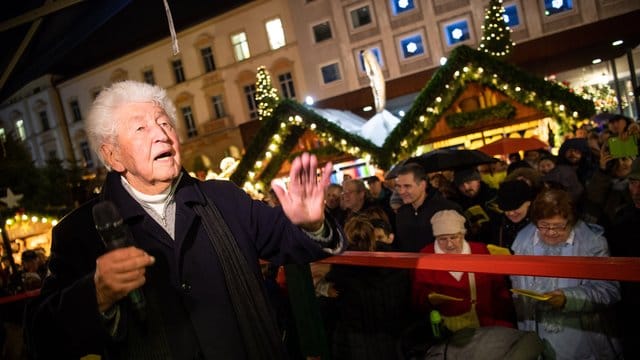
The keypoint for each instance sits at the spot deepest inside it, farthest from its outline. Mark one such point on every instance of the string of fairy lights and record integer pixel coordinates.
(266, 95)
(21, 225)
(496, 34)
(254, 182)
(432, 112)
(406, 137)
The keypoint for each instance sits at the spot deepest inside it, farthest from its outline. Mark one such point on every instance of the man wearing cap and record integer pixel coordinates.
(474, 197)
(623, 126)
(513, 201)
(413, 226)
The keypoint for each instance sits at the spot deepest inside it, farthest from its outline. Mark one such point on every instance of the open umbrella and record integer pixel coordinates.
(511, 145)
(445, 159)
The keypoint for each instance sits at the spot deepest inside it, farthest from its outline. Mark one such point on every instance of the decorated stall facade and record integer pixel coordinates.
(472, 91)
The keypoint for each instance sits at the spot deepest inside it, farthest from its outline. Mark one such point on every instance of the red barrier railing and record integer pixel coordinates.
(21, 296)
(583, 267)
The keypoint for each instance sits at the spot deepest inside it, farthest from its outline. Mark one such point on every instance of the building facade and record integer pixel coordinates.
(311, 48)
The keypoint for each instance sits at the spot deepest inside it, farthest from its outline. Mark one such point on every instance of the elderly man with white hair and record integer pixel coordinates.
(193, 253)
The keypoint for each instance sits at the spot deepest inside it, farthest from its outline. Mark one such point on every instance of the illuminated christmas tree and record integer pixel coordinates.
(266, 94)
(496, 35)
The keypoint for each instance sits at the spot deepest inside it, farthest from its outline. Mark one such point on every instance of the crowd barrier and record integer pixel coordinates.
(582, 267)
(20, 296)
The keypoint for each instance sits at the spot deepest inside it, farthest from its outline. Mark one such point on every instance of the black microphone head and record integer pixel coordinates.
(106, 215)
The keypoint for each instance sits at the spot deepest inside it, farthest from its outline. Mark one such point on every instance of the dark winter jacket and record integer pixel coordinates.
(190, 314)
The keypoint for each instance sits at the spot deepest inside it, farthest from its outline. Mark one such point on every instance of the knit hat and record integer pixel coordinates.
(635, 170)
(512, 194)
(447, 222)
(462, 176)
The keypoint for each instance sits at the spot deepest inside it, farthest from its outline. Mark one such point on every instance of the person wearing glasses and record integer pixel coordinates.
(464, 299)
(574, 317)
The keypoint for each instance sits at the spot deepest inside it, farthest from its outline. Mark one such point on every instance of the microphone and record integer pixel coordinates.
(115, 234)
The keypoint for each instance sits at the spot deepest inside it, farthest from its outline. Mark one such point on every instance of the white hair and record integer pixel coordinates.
(101, 125)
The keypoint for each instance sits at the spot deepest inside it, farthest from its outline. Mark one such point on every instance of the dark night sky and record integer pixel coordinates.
(82, 36)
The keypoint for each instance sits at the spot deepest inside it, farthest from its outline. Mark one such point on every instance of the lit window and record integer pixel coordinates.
(412, 46)
(552, 7)
(207, 59)
(286, 86)
(86, 154)
(376, 52)
(400, 6)
(457, 32)
(21, 133)
(189, 121)
(511, 17)
(218, 106)
(240, 46)
(75, 111)
(148, 76)
(3, 135)
(360, 17)
(275, 32)
(322, 32)
(330, 73)
(178, 70)
(250, 97)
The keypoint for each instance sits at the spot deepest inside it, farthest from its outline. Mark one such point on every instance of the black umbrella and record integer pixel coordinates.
(445, 159)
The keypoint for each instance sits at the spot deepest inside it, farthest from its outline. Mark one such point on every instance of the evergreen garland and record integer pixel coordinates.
(503, 110)
(464, 65)
(467, 65)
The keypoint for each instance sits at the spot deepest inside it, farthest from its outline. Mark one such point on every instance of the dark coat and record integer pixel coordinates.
(190, 313)
(413, 226)
(373, 309)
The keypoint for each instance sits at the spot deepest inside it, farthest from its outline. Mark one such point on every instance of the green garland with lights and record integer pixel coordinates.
(466, 65)
(292, 131)
(503, 110)
(281, 130)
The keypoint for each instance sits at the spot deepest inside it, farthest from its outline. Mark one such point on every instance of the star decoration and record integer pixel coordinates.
(11, 199)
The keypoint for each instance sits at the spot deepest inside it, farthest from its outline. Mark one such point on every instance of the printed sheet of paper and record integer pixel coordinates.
(437, 296)
(531, 294)
(498, 250)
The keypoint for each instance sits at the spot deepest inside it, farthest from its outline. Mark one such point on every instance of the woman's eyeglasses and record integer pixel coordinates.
(552, 227)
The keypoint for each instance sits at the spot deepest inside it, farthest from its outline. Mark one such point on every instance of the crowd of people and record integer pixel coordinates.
(185, 281)
(26, 275)
(583, 202)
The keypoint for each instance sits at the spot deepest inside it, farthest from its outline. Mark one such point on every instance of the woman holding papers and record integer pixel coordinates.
(571, 316)
(465, 300)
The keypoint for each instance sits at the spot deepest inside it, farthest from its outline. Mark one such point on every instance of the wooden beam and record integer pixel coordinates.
(18, 54)
(38, 13)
